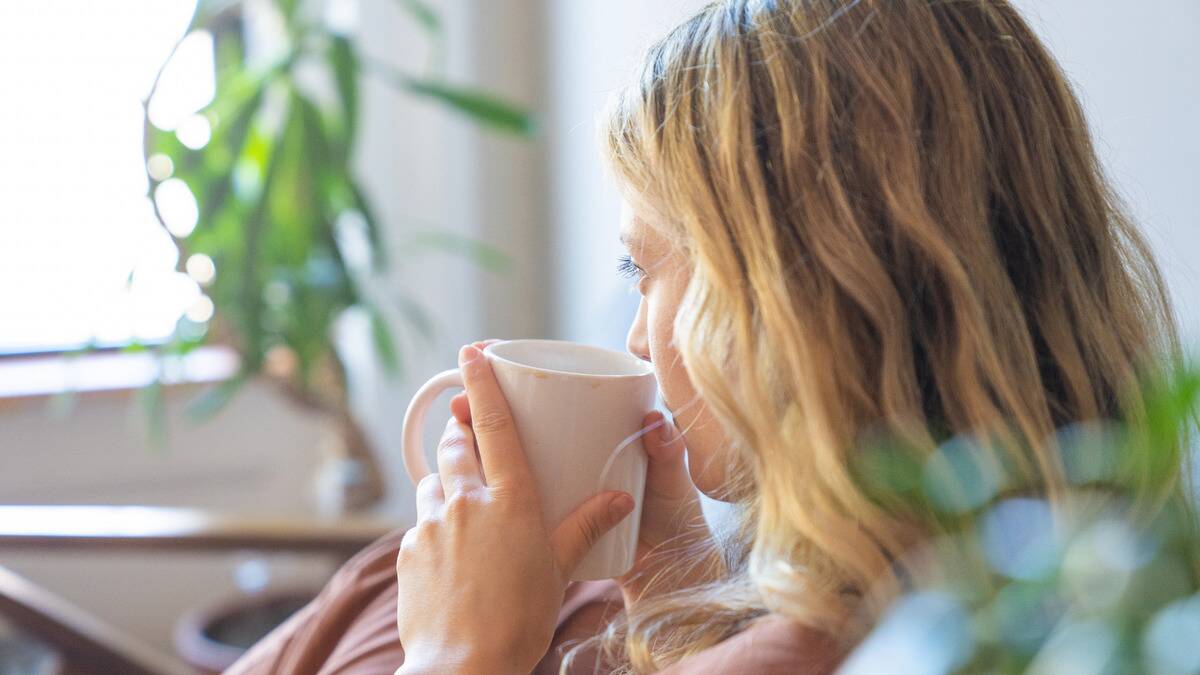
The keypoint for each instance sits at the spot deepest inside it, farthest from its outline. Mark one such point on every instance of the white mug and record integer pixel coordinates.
(578, 411)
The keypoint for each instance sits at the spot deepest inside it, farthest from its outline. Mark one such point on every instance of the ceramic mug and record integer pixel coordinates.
(578, 410)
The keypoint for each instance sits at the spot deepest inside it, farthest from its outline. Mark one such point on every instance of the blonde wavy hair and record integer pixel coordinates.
(897, 224)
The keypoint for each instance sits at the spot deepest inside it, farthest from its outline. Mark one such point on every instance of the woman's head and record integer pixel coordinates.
(871, 216)
(661, 273)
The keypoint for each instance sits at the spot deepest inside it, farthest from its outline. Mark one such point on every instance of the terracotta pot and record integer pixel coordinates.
(211, 638)
(21, 655)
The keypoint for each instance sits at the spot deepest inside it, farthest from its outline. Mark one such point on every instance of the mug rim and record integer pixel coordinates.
(491, 353)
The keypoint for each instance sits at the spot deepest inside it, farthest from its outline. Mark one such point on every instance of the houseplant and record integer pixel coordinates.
(278, 199)
(1102, 577)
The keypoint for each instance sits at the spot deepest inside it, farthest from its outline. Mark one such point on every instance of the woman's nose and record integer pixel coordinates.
(638, 340)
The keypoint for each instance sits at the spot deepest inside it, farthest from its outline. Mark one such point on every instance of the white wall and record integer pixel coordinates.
(1137, 67)
(593, 48)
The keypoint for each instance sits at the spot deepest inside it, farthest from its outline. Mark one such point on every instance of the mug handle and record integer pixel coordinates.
(413, 444)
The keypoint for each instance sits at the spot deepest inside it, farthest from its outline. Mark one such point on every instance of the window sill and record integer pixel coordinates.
(45, 376)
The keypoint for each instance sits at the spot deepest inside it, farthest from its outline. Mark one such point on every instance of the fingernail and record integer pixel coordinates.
(664, 432)
(467, 354)
(621, 506)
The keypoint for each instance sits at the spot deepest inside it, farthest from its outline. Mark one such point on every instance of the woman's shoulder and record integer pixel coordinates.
(772, 645)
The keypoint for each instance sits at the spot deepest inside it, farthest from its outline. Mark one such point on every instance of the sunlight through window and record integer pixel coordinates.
(82, 257)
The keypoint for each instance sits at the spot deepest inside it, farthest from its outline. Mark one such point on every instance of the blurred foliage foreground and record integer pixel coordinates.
(1101, 578)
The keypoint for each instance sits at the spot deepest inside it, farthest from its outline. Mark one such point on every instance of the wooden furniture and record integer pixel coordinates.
(88, 645)
(83, 643)
(148, 528)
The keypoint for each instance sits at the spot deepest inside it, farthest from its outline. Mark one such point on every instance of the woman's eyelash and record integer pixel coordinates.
(628, 269)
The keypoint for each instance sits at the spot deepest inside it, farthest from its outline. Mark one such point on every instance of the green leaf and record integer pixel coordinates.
(417, 317)
(423, 14)
(344, 62)
(214, 399)
(317, 150)
(308, 323)
(480, 106)
(229, 140)
(288, 8)
(484, 255)
(229, 53)
(82, 350)
(1171, 407)
(344, 291)
(487, 109)
(294, 209)
(385, 343)
(252, 275)
(180, 346)
(208, 10)
(374, 232)
(165, 142)
(154, 410)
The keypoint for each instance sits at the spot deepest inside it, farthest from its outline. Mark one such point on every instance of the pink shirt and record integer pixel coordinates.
(351, 628)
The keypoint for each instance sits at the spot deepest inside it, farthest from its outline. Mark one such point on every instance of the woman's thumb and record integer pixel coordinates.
(666, 473)
(579, 532)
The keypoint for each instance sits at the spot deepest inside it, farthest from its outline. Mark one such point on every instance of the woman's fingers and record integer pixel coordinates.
(666, 473)
(456, 459)
(579, 531)
(662, 440)
(461, 408)
(496, 436)
(430, 496)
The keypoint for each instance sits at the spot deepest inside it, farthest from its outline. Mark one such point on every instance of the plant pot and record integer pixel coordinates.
(23, 656)
(211, 638)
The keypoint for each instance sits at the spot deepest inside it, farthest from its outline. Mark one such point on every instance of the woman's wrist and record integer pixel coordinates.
(657, 579)
(420, 662)
(441, 669)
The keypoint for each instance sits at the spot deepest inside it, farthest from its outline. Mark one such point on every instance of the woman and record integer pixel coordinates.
(846, 219)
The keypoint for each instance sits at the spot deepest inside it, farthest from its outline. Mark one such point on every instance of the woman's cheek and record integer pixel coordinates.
(663, 354)
(701, 432)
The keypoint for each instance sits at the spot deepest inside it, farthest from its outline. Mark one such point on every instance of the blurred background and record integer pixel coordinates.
(222, 278)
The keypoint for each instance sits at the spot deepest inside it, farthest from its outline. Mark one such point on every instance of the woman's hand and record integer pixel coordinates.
(672, 521)
(480, 577)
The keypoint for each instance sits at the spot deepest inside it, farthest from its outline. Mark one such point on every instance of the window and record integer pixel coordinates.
(83, 260)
